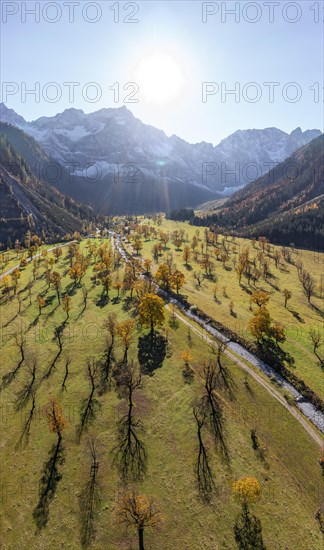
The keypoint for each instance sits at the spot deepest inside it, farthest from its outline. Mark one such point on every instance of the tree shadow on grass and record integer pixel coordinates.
(24, 437)
(89, 499)
(58, 335)
(130, 454)
(48, 484)
(151, 352)
(102, 301)
(26, 392)
(247, 386)
(89, 405)
(296, 315)
(318, 310)
(34, 322)
(11, 320)
(51, 313)
(274, 355)
(70, 290)
(50, 299)
(8, 378)
(81, 312)
(127, 304)
(248, 531)
(203, 471)
(246, 289)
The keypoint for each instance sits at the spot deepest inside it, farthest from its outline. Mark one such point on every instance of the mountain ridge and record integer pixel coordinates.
(286, 204)
(27, 201)
(119, 165)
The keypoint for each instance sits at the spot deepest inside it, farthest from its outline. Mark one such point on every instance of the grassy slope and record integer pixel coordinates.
(10, 258)
(291, 486)
(298, 343)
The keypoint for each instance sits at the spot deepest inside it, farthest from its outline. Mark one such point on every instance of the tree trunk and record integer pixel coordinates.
(141, 538)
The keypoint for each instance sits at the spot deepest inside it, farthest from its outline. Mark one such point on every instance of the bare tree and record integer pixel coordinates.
(287, 295)
(51, 474)
(212, 403)
(199, 277)
(139, 511)
(317, 341)
(58, 339)
(130, 454)
(224, 377)
(308, 284)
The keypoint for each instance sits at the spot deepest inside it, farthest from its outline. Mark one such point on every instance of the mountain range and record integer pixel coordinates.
(286, 204)
(115, 163)
(28, 203)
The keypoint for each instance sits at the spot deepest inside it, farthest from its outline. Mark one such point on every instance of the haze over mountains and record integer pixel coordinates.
(28, 203)
(286, 204)
(118, 165)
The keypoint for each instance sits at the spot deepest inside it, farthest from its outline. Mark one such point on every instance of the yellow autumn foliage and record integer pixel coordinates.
(247, 489)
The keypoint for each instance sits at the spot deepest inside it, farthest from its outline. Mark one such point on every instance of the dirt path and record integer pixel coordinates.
(266, 385)
(33, 258)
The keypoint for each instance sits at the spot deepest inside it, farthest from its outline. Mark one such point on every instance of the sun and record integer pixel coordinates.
(160, 78)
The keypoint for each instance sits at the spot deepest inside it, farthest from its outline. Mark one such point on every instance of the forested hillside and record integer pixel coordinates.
(27, 201)
(285, 205)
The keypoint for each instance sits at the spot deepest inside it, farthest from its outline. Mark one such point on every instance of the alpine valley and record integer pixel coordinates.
(113, 162)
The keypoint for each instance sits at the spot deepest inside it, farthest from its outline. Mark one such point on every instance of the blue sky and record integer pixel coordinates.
(98, 46)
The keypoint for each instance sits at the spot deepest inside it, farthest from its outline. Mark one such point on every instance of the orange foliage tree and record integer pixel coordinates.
(151, 311)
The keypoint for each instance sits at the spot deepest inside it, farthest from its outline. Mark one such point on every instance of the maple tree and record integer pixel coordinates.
(41, 303)
(260, 297)
(247, 489)
(125, 331)
(56, 280)
(186, 255)
(147, 265)
(260, 324)
(139, 511)
(15, 276)
(67, 305)
(287, 295)
(6, 283)
(55, 418)
(163, 276)
(177, 280)
(278, 332)
(151, 311)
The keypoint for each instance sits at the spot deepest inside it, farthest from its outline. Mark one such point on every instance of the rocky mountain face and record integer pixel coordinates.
(118, 164)
(286, 204)
(28, 202)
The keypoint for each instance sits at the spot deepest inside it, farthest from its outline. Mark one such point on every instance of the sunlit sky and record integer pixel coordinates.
(168, 54)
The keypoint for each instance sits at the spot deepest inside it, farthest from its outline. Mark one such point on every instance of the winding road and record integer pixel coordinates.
(241, 356)
(264, 383)
(233, 351)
